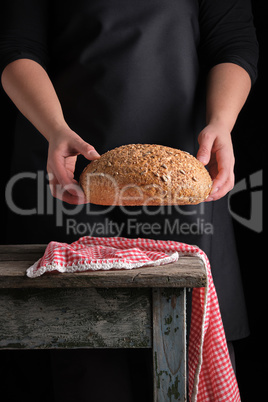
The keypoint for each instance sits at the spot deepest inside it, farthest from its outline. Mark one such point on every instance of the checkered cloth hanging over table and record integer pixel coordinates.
(211, 376)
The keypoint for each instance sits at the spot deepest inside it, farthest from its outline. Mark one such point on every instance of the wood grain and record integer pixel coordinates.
(169, 344)
(15, 259)
(75, 318)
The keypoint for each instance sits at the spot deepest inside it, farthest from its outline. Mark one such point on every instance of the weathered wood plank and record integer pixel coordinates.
(181, 274)
(14, 261)
(75, 318)
(21, 257)
(169, 344)
(23, 249)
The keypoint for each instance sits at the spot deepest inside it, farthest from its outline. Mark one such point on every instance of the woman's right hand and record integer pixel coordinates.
(30, 88)
(62, 154)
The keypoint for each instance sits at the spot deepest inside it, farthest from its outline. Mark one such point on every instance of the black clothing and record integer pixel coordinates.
(128, 71)
(58, 32)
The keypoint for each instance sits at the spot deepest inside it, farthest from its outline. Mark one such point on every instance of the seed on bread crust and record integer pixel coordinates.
(133, 175)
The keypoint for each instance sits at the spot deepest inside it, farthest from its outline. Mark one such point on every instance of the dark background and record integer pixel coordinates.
(248, 138)
(249, 144)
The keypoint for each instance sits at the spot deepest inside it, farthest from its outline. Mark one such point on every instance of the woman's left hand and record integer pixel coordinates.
(216, 152)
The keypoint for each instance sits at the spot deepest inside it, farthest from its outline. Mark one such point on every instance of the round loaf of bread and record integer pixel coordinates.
(145, 174)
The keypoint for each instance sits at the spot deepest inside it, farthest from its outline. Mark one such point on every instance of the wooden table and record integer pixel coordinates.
(139, 308)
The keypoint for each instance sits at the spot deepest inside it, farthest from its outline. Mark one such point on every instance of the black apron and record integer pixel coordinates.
(126, 72)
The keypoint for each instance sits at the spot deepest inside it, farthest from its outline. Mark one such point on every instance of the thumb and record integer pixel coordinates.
(205, 146)
(88, 151)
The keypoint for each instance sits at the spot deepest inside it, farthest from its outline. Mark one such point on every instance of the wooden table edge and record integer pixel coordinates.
(188, 271)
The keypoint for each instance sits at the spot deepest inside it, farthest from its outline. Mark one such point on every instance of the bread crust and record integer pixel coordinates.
(145, 174)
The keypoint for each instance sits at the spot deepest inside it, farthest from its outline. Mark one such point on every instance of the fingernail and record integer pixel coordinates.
(202, 159)
(214, 190)
(93, 154)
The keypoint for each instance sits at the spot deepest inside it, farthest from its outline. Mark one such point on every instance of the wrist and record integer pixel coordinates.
(58, 131)
(220, 122)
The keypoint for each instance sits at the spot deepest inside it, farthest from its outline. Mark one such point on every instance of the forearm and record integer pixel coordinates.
(31, 90)
(227, 90)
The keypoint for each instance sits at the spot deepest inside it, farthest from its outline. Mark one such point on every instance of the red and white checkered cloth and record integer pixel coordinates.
(211, 376)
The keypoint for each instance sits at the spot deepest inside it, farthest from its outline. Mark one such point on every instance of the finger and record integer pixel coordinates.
(225, 160)
(223, 190)
(64, 194)
(72, 199)
(61, 183)
(69, 198)
(87, 150)
(224, 181)
(73, 194)
(205, 145)
(63, 176)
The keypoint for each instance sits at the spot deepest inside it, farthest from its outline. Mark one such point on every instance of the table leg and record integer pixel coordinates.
(169, 344)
